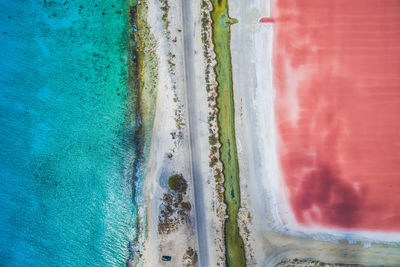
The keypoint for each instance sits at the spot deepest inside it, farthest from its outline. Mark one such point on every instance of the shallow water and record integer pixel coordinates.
(64, 198)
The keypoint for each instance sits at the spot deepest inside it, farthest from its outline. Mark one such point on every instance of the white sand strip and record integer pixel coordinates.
(170, 143)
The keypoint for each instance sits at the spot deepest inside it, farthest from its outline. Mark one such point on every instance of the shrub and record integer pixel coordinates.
(177, 183)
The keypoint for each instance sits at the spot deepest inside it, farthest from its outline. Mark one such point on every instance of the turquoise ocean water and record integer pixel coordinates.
(64, 197)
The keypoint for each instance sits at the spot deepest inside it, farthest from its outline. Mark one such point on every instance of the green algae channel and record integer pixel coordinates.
(235, 254)
(143, 80)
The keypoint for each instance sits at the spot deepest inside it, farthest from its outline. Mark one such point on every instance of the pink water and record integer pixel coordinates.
(337, 79)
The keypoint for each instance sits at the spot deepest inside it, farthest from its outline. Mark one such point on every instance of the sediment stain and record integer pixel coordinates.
(324, 196)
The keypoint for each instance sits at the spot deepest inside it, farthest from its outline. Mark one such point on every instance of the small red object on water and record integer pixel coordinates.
(266, 20)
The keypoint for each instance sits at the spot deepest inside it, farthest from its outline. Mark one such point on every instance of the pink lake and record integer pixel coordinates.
(337, 80)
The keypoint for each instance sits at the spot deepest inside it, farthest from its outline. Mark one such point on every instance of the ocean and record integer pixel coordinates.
(65, 196)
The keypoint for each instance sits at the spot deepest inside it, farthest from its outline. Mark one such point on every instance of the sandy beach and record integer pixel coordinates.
(170, 147)
(184, 89)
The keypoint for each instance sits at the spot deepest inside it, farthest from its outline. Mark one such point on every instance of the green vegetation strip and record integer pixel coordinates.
(235, 254)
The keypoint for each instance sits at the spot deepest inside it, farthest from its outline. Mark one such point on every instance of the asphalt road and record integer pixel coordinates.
(193, 126)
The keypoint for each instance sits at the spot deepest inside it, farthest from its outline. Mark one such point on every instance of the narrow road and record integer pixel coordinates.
(193, 126)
